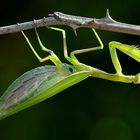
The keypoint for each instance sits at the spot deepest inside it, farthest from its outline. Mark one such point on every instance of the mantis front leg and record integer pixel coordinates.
(129, 50)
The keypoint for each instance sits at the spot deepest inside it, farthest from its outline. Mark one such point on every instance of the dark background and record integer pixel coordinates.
(94, 109)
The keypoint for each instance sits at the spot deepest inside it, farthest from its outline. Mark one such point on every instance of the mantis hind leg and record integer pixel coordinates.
(51, 55)
(33, 50)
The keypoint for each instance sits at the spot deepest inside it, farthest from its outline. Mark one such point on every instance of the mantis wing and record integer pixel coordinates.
(35, 86)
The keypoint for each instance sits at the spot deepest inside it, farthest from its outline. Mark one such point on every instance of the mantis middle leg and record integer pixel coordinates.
(72, 54)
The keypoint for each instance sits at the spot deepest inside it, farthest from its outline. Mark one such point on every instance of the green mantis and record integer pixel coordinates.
(43, 82)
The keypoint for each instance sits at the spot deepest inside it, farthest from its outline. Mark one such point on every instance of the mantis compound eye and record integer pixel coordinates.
(137, 79)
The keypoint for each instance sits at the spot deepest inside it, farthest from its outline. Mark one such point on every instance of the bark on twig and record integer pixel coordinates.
(58, 18)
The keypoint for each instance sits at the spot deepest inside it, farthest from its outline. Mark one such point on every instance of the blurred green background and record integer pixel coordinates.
(94, 109)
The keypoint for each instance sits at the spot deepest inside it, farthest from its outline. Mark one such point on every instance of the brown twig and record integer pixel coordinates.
(58, 18)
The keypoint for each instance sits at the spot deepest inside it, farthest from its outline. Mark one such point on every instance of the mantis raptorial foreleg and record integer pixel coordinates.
(129, 50)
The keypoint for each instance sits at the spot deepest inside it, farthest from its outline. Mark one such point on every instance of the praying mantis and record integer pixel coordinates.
(43, 82)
